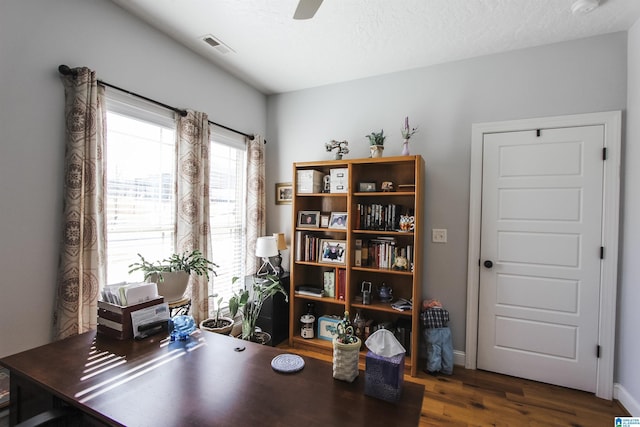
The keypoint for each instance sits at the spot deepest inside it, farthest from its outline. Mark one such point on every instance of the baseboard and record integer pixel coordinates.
(459, 357)
(630, 404)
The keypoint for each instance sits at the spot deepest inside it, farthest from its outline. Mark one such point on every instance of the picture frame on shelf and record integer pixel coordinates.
(309, 219)
(284, 193)
(327, 327)
(367, 187)
(324, 221)
(333, 251)
(338, 220)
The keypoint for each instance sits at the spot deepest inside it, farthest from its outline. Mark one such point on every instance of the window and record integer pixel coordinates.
(227, 194)
(140, 201)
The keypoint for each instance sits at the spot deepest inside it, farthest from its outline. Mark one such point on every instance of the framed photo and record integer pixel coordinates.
(364, 187)
(309, 219)
(324, 221)
(333, 251)
(284, 193)
(338, 220)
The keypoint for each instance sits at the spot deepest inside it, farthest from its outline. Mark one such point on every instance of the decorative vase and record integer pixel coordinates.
(405, 147)
(376, 150)
(345, 360)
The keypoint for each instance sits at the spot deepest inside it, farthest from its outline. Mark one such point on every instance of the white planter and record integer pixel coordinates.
(345, 360)
(224, 330)
(376, 150)
(172, 285)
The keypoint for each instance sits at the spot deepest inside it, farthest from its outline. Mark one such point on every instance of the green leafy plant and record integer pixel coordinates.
(250, 302)
(376, 138)
(192, 262)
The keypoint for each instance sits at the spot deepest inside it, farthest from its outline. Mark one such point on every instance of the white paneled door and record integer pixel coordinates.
(540, 254)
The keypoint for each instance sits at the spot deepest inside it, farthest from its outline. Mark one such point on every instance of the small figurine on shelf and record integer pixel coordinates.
(342, 147)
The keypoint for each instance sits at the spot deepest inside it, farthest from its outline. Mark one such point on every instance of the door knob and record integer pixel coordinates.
(488, 264)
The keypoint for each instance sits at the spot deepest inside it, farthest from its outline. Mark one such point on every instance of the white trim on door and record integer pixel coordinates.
(611, 205)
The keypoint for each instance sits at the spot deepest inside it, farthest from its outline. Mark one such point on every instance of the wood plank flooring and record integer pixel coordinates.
(480, 398)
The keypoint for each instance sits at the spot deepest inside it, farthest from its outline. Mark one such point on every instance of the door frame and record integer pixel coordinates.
(612, 121)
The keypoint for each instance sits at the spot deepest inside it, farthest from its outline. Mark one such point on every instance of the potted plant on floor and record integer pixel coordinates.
(172, 274)
(346, 351)
(376, 143)
(218, 324)
(250, 301)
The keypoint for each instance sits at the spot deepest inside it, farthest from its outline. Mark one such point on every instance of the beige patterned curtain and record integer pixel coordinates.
(81, 269)
(255, 199)
(192, 216)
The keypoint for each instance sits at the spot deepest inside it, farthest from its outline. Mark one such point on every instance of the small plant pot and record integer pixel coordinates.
(224, 325)
(376, 150)
(345, 360)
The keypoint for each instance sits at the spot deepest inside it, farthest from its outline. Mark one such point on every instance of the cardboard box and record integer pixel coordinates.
(339, 180)
(384, 376)
(309, 181)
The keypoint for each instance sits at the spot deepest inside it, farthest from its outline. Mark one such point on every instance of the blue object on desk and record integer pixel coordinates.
(181, 327)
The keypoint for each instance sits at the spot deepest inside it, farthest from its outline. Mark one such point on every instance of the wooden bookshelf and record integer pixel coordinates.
(380, 232)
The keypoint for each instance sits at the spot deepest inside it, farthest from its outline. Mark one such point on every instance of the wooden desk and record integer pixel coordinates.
(200, 382)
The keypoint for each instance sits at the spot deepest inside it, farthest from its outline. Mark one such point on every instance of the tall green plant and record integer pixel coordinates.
(250, 302)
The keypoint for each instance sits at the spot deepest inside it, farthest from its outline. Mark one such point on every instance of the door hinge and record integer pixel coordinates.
(601, 252)
(604, 153)
(598, 351)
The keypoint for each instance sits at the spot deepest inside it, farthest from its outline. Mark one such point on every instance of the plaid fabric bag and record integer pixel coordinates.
(434, 317)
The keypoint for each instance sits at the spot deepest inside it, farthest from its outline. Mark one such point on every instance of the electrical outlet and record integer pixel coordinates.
(439, 235)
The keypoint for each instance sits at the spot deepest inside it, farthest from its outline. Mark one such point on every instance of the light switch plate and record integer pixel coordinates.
(439, 235)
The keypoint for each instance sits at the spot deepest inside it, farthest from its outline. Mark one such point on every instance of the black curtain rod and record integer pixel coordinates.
(65, 70)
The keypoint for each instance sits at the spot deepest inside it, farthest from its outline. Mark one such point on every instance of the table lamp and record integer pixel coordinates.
(266, 247)
(282, 245)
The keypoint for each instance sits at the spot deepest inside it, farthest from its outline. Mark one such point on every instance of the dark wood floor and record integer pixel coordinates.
(480, 398)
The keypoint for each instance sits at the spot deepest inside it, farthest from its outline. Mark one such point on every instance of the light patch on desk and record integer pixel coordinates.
(127, 376)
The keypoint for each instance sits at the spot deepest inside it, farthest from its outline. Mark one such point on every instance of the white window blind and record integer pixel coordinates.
(140, 175)
(227, 210)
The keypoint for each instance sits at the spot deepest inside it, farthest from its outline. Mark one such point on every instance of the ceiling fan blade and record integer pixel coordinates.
(306, 9)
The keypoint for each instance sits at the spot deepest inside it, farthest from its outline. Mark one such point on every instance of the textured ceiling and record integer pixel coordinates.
(352, 39)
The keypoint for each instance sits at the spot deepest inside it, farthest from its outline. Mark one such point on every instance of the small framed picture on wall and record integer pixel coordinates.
(284, 193)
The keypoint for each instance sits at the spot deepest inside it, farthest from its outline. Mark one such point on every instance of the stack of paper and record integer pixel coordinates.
(125, 294)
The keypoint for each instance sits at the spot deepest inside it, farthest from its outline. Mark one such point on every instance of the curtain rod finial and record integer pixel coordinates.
(64, 70)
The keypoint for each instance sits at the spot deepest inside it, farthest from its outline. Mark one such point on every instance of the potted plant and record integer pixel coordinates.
(250, 302)
(172, 274)
(218, 324)
(346, 351)
(407, 133)
(376, 143)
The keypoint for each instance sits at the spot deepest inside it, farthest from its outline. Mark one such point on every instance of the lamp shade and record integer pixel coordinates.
(282, 243)
(266, 246)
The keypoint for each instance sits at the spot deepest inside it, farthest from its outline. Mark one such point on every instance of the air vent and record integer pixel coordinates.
(216, 44)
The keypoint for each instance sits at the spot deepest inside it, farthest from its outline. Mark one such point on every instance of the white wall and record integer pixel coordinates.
(582, 76)
(627, 372)
(36, 37)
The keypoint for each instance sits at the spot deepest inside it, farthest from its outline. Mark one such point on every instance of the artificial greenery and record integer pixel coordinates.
(251, 301)
(344, 330)
(376, 138)
(193, 262)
